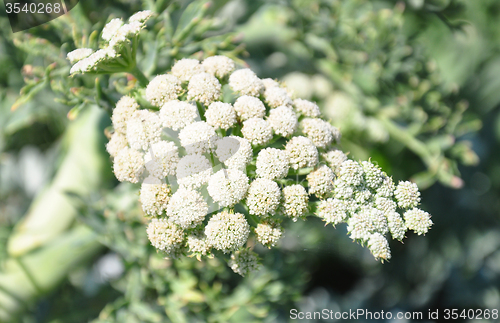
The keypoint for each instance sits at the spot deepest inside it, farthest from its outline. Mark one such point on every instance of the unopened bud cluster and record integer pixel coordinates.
(217, 172)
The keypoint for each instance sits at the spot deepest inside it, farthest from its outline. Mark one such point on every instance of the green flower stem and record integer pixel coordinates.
(201, 111)
(121, 62)
(126, 54)
(143, 80)
(212, 159)
(134, 47)
(300, 171)
(411, 142)
(221, 132)
(236, 130)
(273, 140)
(254, 219)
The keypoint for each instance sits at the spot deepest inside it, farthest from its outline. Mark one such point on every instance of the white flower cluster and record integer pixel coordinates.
(227, 169)
(177, 114)
(161, 159)
(116, 143)
(334, 158)
(418, 220)
(220, 115)
(302, 152)
(320, 181)
(245, 82)
(276, 97)
(283, 121)
(193, 171)
(272, 163)
(91, 62)
(162, 89)
(186, 208)
(219, 66)
(166, 236)
(198, 138)
(263, 198)
(204, 88)
(143, 129)
(79, 54)
(198, 244)
(227, 231)
(128, 165)
(186, 68)
(235, 152)
(228, 186)
(248, 107)
(257, 131)
(306, 108)
(332, 211)
(123, 111)
(407, 195)
(154, 196)
(320, 132)
(295, 201)
(268, 233)
(366, 199)
(116, 35)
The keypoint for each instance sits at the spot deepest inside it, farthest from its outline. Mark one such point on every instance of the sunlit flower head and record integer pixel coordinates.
(185, 68)
(162, 89)
(227, 231)
(219, 66)
(166, 236)
(245, 82)
(204, 88)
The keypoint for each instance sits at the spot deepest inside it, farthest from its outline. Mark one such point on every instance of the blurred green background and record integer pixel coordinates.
(414, 85)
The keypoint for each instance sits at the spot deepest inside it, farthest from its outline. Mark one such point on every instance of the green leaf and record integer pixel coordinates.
(135, 289)
(27, 93)
(192, 11)
(189, 19)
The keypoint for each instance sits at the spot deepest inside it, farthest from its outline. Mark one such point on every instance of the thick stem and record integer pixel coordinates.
(143, 80)
(411, 142)
(212, 159)
(254, 219)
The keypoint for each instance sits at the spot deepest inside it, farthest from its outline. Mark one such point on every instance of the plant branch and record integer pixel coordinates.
(143, 80)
